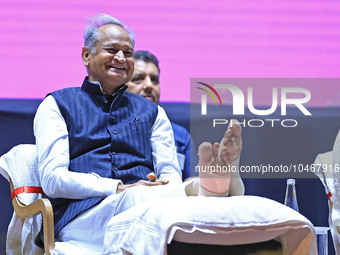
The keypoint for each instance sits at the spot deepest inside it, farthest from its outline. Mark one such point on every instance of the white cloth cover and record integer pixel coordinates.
(20, 164)
(336, 183)
(328, 170)
(148, 228)
(322, 162)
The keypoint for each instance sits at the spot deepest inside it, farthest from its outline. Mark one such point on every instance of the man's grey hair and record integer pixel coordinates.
(91, 34)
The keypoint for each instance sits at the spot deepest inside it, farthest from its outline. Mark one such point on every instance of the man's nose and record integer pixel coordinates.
(147, 84)
(120, 57)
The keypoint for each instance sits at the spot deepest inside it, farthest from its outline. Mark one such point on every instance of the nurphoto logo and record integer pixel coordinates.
(281, 97)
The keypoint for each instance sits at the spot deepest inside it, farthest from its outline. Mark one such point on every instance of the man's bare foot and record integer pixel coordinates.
(215, 160)
(231, 143)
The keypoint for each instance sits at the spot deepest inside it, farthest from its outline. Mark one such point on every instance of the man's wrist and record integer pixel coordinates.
(110, 186)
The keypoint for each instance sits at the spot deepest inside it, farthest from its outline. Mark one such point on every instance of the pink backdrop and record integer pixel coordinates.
(41, 41)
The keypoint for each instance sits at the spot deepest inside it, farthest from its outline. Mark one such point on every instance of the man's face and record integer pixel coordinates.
(112, 64)
(145, 81)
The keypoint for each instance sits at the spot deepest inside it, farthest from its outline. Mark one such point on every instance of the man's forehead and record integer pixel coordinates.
(117, 44)
(142, 65)
(114, 34)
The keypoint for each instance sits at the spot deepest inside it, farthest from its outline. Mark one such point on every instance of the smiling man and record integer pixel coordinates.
(145, 82)
(98, 142)
(110, 61)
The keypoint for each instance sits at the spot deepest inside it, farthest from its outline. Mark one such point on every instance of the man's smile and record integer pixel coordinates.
(118, 67)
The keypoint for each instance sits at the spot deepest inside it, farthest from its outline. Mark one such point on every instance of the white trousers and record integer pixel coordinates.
(85, 234)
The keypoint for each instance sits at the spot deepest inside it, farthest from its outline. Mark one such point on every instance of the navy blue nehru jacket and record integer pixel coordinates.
(182, 142)
(108, 135)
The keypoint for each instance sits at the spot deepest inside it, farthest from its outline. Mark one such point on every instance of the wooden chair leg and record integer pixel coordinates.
(42, 206)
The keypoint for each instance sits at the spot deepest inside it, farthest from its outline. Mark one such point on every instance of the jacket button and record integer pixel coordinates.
(114, 132)
(112, 120)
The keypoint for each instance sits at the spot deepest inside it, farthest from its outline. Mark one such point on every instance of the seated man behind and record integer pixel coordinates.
(145, 82)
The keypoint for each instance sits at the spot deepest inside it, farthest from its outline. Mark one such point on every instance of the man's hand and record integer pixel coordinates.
(153, 178)
(153, 181)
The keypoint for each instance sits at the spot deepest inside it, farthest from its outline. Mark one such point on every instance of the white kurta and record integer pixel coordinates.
(58, 182)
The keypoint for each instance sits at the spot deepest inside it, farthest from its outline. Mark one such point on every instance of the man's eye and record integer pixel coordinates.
(155, 81)
(137, 80)
(128, 53)
(112, 51)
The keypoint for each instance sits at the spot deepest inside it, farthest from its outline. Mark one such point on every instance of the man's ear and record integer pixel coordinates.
(85, 55)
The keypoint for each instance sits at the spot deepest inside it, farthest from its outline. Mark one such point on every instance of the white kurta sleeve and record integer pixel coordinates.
(53, 156)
